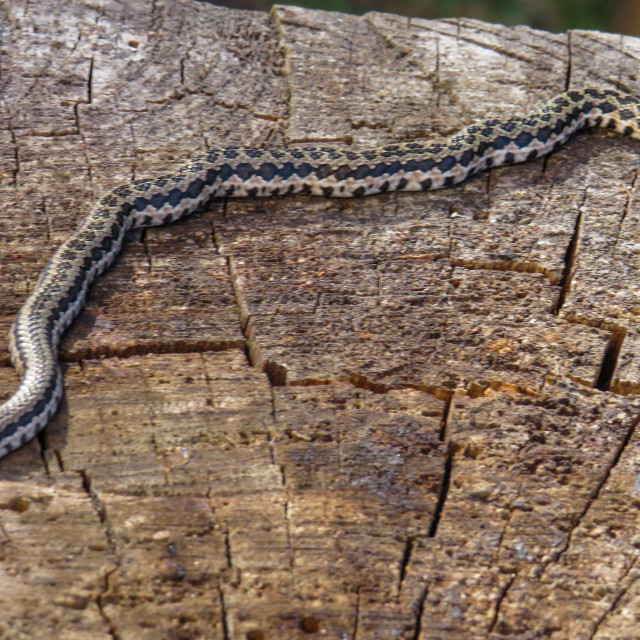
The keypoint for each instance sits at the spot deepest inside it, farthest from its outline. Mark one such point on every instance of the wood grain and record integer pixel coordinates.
(410, 416)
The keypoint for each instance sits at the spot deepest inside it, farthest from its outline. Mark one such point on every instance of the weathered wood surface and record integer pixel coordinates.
(411, 416)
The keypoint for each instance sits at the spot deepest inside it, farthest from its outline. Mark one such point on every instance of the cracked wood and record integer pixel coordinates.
(413, 416)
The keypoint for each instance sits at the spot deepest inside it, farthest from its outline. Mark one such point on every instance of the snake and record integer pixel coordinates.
(61, 290)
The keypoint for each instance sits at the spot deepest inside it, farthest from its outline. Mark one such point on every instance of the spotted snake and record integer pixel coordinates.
(62, 288)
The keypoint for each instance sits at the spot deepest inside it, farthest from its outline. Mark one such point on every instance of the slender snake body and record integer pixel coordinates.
(62, 288)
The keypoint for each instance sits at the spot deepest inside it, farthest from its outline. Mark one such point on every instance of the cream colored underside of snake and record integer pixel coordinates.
(61, 291)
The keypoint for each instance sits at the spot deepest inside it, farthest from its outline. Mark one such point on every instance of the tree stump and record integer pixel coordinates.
(410, 416)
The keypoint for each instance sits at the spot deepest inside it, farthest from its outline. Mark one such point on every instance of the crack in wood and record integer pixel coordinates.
(419, 613)
(596, 492)
(569, 66)
(90, 81)
(15, 172)
(404, 561)
(616, 599)
(356, 617)
(277, 373)
(225, 614)
(610, 360)
(156, 348)
(518, 266)
(100, 604)
(626, 209)
(227, 549)
(442, 496)
(569, 259)
(446, 413)
(501, 598)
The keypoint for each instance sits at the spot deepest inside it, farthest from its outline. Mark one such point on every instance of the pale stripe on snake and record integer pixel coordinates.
(62, 288)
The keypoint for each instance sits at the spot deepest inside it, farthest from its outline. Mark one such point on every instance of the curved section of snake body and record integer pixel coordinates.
(61, 291)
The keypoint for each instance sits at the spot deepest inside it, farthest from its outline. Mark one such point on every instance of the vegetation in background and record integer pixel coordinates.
(621, 16)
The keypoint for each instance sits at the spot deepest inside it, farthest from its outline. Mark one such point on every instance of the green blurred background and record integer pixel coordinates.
(620, 16)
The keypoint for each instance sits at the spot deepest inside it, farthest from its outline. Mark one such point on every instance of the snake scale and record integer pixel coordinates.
(62, 288)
